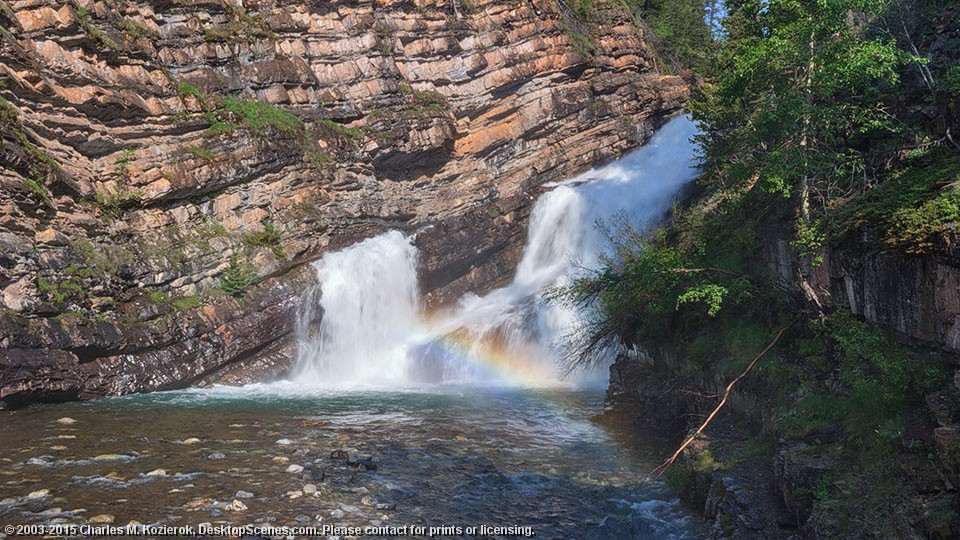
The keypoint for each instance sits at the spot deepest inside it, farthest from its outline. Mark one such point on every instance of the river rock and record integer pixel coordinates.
(295, 469)
(243, 495)
(349, 508)
(367, 501)
(66, 420)
(284, 442)
(102, 518)
(363, 464)
(309, 489)
(217, 455)
(38, 494)
(156, 472)
(339, 454)
(314, 475)
(385, 506)
(337, 513)
(191, 440)
(236, 506)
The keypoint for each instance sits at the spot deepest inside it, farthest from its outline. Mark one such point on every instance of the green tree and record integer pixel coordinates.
(680, 30)
(798, 105)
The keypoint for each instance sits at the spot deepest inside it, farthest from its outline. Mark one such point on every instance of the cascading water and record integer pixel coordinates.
(369, 297)
(372, 331)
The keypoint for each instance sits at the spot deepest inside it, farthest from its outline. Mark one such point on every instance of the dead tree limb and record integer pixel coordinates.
(726, 394)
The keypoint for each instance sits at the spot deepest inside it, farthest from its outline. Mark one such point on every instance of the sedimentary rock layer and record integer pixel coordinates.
(160, 155)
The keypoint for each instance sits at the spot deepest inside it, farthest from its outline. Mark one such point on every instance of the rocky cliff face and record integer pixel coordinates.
(168, 167)
(916, 297)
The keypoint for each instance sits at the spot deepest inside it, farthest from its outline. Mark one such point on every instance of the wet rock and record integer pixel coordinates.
(295, 469)
(363, 464)
(102, 518)
(66, 420)
(38, 494)
(339, 454)
(367, 501)
(385, 506)
(243, 495)
(294, 494)
(236, 506)
(191, 440)
(281, 459)
(309, 489)
(314, 475)
(156, 472)
(198, 503)
(216, 455)
(349, 508)
(284, 442)
(337, 513)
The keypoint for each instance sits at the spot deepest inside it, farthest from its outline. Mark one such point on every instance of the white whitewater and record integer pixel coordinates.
(372, 331)
(369, 297)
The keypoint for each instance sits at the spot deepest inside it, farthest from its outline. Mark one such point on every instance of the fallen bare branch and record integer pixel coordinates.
(726, 394)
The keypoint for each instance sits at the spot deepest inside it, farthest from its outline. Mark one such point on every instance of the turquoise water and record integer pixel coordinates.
(449, 457)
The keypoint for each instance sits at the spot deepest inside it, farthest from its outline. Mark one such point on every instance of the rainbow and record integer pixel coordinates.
(488, 358)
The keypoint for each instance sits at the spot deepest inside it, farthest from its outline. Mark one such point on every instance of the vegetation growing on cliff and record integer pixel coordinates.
(821, 122)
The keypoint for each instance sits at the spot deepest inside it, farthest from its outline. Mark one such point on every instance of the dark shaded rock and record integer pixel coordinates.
(314, 475)
(32, 375)
(799, 469)
(366, 464)
(339, 454)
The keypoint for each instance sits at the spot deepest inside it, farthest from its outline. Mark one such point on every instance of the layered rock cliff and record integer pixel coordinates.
(169, 167)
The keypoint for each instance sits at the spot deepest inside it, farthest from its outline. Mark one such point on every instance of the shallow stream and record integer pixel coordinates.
(445, 455)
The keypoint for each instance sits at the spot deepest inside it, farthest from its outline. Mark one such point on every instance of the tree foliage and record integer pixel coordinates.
(800, 98)
(680, 30)
(800, 114)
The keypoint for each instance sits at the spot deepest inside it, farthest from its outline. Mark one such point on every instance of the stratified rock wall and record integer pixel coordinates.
(150, 161)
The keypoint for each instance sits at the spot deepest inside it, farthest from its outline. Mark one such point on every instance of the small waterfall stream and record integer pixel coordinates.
(372, 331)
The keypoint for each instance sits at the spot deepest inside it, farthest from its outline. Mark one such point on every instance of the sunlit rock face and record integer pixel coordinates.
(154, 185)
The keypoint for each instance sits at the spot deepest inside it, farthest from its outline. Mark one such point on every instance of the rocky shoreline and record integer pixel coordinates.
(751, 481)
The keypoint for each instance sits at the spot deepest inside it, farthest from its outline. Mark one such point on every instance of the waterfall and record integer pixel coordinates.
(372, 330)
(369, 297)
